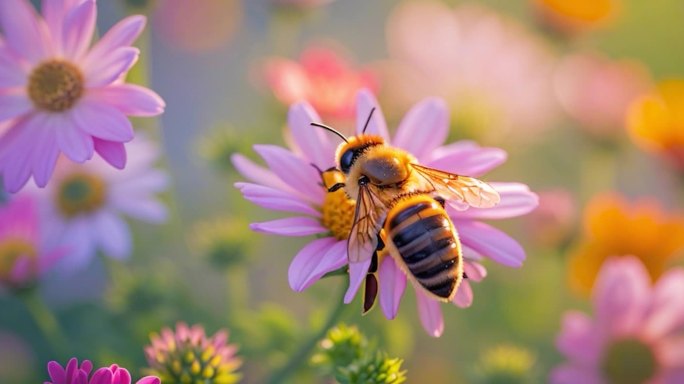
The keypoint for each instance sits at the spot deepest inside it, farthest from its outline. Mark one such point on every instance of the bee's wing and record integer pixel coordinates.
(468, 190)
(368, 220)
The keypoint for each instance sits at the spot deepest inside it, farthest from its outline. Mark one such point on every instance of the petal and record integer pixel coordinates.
(670, 351)
(17, 156)
(77, 236)
(113, 235)
(357, 275)
(579, 340)
(75, 143)
(110, 67)
(46, 153)
(314, 142)
(22, 29)
(516, 200)
(365, 102)
(672, 376)
(666, 313)
(103, 121)
(279, 200)
(294, 171)
(463, 158)
(476, 272)
(464, 295)
(129, 99)
(14, 105)
(255, 173)
(149, 380)
(11, 73)
(573, 374)
(291, 226)
(424, 128)
(120, 35)
(621, 295)
(102, 376)
(78, 28)
(430, 314)
(315, 260)
(56, 372)
(112, 152)
(490, 242)
(392, 285)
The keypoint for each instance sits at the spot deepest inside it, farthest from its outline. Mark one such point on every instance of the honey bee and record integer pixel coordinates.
(400, 205)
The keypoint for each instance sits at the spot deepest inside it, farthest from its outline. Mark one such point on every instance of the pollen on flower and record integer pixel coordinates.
(337, 209)
(10, 251)
(55, 85)
(81, 192)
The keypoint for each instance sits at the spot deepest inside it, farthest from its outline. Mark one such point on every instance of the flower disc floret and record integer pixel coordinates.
(338, 214)
(81, 192)
(628, 361)
(55, 85)
(11, 250)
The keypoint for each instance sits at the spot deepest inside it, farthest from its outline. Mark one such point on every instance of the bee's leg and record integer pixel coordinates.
(465, 276)
(336, 187)
(440, 200)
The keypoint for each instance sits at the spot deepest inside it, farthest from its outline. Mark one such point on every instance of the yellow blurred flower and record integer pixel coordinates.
(573, 15)
(656, 121)
(614, 227)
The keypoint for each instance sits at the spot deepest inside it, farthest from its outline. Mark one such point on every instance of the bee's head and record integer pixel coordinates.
(349, 151)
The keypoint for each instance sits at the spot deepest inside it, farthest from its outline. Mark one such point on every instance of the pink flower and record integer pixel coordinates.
(495, 75)
(323, 77)
(83, 206)
(637, 335)
(553, 221)
(301, 3)
(60, 95)
(75, 374)
(23, 257)
(291, 184)
(597, 92)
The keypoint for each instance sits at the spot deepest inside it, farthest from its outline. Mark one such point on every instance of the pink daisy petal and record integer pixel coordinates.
(23, 30)
(621, 295)
(130, 99)
(122, 34)
(357, 275)
(463, 158)
(297, 173)
(14, 105)
(47, 152)
(516, 200)
(149, 380)
(490, 242)
(56, 372)
(146, 209)
(666, 313)
(102, 376)
(673, 376)
(315, 143)
(573, 374)
(16, 161)
(670, 352)
(464, 295)
(78, 28)
(580, 340)
(11, 74)
(76, 145)
(110, 67)
(291, 226)
(103, 121)
(114, 235)
(430, 314)
(112, 152)
(71, 369)
(315, 260)
(476, 272)
(365, 101)
(275, 199)
(423, 128)
(256, 173)
(392, 286)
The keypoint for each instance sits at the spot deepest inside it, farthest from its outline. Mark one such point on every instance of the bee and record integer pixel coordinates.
(400, 205)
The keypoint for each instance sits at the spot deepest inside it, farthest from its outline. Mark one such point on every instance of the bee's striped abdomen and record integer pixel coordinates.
(425, 239)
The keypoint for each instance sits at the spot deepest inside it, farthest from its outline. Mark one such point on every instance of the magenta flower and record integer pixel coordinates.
(82, 207)
(60, 95)
(23, 257)
(637, 335)
(75, 374)
(291, 184)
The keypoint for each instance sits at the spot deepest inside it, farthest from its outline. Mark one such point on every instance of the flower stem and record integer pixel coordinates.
(46, 321)
(282, 374)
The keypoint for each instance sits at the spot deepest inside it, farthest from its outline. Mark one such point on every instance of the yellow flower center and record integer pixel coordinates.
(10, 251)
(337, 209)
(55, 85)
(81, 192)
(628, 361)
(582, 10)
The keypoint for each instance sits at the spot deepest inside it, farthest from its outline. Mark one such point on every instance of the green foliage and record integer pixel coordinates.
(506, 364)
(374, 369)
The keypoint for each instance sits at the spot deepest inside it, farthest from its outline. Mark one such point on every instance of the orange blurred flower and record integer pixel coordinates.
(575, 15)
(656, 121)
(614, 227)
(322, 76)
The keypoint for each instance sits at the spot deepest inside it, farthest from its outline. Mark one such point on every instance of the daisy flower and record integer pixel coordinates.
(83, 207)
(62, 96)
(292, 184)
(636, 335)
(74, 373)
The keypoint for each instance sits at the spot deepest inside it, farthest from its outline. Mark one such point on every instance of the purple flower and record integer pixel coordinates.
(59, 95)
(82, 207)
(291, 184)
(637, 334)
(75, 374)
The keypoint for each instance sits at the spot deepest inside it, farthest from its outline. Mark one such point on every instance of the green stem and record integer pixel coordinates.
(46, 321)
(282, 374)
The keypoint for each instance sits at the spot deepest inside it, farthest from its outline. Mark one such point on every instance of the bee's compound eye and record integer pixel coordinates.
(346, 160)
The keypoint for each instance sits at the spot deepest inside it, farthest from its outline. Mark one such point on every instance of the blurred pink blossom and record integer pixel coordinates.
(597, 91)
(301, 3)
(322, 76)
(637, 334)
(553, 221)
(75, 374)
(494, 74)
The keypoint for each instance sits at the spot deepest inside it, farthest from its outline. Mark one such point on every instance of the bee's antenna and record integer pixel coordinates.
(365, 126)
(331, 129)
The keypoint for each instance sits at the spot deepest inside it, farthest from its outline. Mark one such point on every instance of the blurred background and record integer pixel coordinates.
(559, 85)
